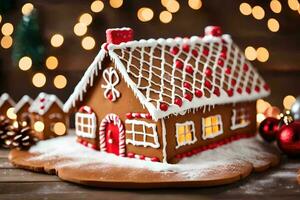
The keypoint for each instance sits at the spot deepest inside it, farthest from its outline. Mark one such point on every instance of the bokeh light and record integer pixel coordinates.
(262, 106)
(116, 3)
(6, 42)
(258, 12)
(27, 8)
(245, 9)
(51, 62)
(250, 53)
(57, 40)
(165, 17)
(7, 29)
(273, 25)
(195, 4)
(10, 113)
(97, 6)
(145, 14)
(88, 43)
(86, 19)
(288, 101)
(262, 54)
(59, 128)
(80, 29)
(25, 63)
(172, 6)
(293, 4)
(39, 80)
(275, 6)
(39, 126)
(60, 81)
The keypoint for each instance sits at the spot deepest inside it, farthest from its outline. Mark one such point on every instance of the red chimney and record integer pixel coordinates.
(119, 35)
(213, 31)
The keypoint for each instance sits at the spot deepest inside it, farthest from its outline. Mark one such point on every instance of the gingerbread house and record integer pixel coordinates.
(166, 99)
(47, 117)
(22, 109)
(6, 105)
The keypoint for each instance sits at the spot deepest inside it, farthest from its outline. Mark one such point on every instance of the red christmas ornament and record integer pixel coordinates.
(268, 129)
(288, 139)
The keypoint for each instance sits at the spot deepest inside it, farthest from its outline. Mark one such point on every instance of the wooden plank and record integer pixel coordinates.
(19, 175)
(5, 164)
(4, 153)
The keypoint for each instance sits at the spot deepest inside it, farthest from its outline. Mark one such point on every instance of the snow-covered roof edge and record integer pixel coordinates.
(87, 79)
(5, 97)
(25, 99)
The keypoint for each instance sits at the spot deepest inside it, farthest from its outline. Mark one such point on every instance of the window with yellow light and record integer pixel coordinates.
(185, 133)
(212, 126)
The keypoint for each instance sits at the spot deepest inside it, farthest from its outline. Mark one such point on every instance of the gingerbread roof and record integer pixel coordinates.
(23, 101)
(6, 98)
(172, 75)
(43, 103)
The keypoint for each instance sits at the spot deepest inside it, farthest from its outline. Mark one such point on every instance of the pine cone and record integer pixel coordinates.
(5, 123)
(20, 137)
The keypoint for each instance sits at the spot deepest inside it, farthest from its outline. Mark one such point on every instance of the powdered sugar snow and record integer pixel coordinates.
(242, 151)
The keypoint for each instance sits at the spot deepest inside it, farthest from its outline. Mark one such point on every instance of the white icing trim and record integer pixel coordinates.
(187, 123)
(92, 125)
(235, 126)
(164, 141)
(6, 98)
(111, 78)
(23, 101)
(133, 132)
(44, 102)
(213, 135)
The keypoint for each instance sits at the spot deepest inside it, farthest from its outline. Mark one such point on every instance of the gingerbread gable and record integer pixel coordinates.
(176, 74)
(6, 98)
(43, 103)
(24, 100)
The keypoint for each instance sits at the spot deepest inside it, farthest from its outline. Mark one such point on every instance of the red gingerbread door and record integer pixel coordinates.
(112, 135)
(112, 138)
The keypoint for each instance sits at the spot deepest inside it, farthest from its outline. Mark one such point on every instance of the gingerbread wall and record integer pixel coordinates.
(4, 108)
(23, 113)
(123, 105)
(224, 110)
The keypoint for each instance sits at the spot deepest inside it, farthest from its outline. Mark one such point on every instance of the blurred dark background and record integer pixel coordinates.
(279, 65)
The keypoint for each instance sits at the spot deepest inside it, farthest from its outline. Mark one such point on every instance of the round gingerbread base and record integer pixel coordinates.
(75, 163)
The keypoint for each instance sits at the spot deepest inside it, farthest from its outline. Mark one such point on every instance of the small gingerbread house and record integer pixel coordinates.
(22, 109)
(47, 117)
(165, 99)
(6, 105)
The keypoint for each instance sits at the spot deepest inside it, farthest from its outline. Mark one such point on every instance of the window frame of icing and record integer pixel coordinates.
(92, 126)
(192, 131)
(133, 132)
(234, 124)
(212, 135)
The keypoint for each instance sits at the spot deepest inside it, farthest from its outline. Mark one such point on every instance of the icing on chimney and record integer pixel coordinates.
(119, 35)
(215, 31)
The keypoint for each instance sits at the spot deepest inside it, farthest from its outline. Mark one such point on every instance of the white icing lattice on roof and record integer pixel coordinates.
(44, 102)
(6, 98)
(172, 75)
(24, 100)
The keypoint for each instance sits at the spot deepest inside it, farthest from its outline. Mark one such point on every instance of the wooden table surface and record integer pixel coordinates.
(17, 184)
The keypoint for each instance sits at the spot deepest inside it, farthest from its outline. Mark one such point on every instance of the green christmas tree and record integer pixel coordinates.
(28, 41)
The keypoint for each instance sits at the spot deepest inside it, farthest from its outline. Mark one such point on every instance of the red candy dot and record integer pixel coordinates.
(155, 159)
(129, 116)
(233, 82)
(217, 91)
(239, 90)
(42, 107)
(174, 50)
(266, 87)
(142, 157)
(178, 64)
(178, 101)
(208, 72)
(189, 69)
(221, 63)
(187, 85)
(207, 84)
(137, 115)
(148, 116)
(188, 96)
(223, 55)
(245, 67)
(248, 90)
(130, 155)
(186, 48)
(42, 99)
(163, 106)
(230, 92)
(257, 89)
(195, 53)
(205, 51)
(224, 49)
(228, 71)
(198, 93)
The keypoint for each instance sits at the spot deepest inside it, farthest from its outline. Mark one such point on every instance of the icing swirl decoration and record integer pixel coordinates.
(111, 78)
